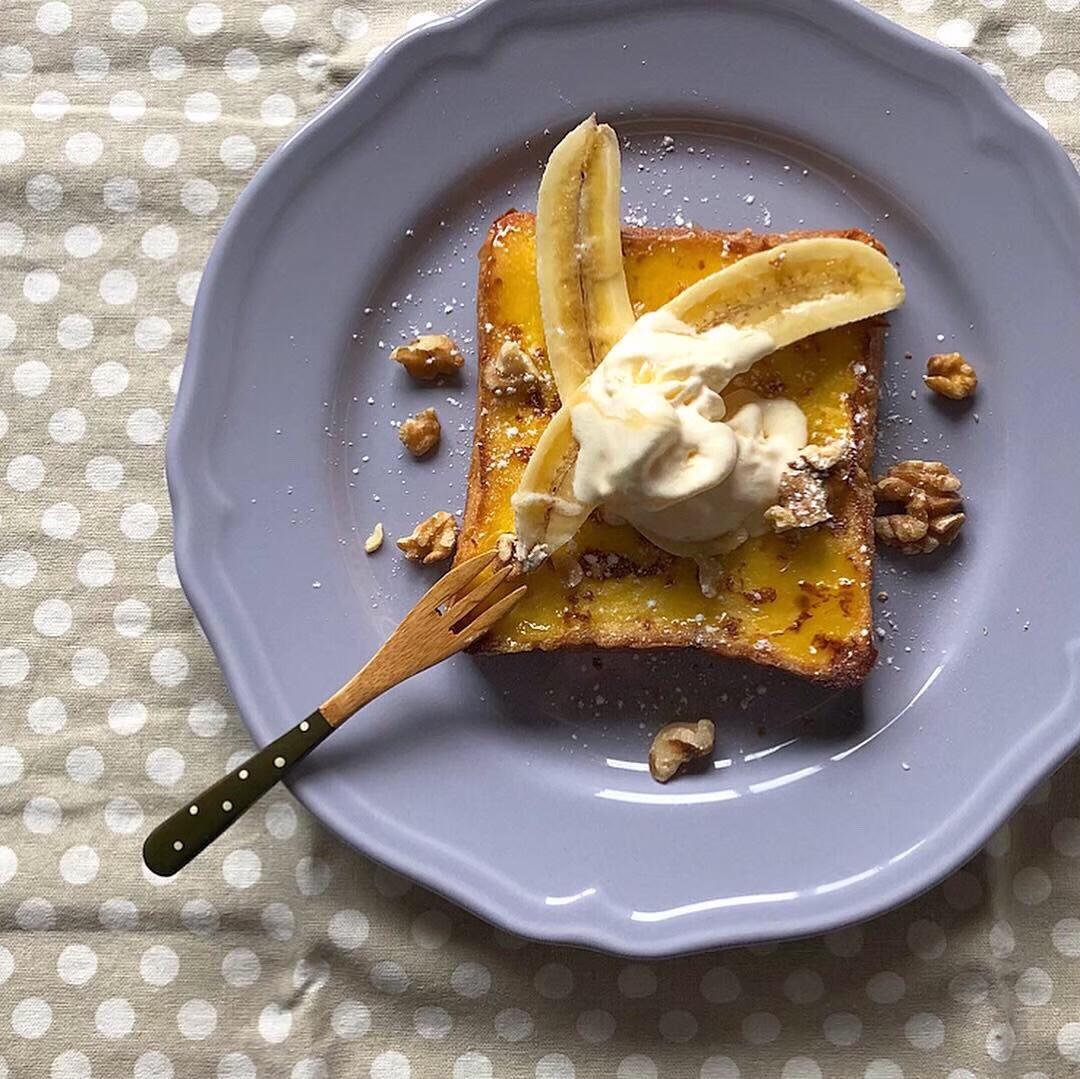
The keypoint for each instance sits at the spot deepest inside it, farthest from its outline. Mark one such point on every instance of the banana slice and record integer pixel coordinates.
(789, 292)
(579, 268)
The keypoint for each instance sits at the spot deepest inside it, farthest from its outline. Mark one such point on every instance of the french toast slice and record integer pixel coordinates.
(798, 600)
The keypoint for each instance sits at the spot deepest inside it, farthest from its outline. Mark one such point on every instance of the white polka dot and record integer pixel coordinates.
(1000, 1042)
(166, 571)
(145, 426)
(206, 718)
(90, 63)
(275, 1022)
(1062, 5)
(203, 19)
(278, 921)
(139, 521)
(390, 1065)
(925, 1031)
(803, 986)
(74, 332)
(53, 17)
(159, 965)
(956, 33)
(678, 1026)
(554, 981)
(196, 1019)
(67, 425)
(842, 1029)
(1065, 836)
(236, 1066)
(636, 1066)
(1068, 1042)
(123, 816)
(118, 915)
(719, 1067)
(153, 1065)
(313, 876)
(1034, 987)
(513, 1025)
(200, 916)
(44, 193)
(31, 1018)
(52, 617)
(349, 22)
(118, 287)
(71, 1064)
(760, 1028)
(241, 968)
(278, 20)
(1066, 936)
(82, 241)
(84, 148)
(14, 667)
(46, 715)
(79, 864)
(280, 821)
(350, 1019)
(845, 943)
(242, 65)
(60, 520)
(389, 977)
(152, 333)
(127, 716)
(160, 242)
(277, 110)
(886, 987)
(241, 868)
(969, 987)
(9, 865)
(800, 1068)
(96, 568)
(164, 766)
(166, 63)
(310, 974)
(926, 939)
(12, 146)
(470, 980)
(554, 1066)
(127, 106)
(42, 815)
(1031, 886)
(161, 151)
(720, 986)
(883, 1068)
(49, 105)
(3, 423)
(311, 64)
(35, 914)
(85, 765)
(17, 569)
(636, 981)
(431, 929)
(1062, 84)
(128, 17)
(107, 380)
(202, 107)
(121, 194)
(187, 285)
(12, 239)
(7, 331)
(237, 152)
(1002, 940)
(1024, 39)
(41, 286)
(89, 666)
(131, 618)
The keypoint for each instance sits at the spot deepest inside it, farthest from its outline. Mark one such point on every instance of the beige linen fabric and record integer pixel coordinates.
(127, 130)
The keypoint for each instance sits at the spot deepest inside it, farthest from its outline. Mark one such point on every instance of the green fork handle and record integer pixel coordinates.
(191, 829)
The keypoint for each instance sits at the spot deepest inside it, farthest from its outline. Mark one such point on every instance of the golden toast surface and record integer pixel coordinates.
(799, 601)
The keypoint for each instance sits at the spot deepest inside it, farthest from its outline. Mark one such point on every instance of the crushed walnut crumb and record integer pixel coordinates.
(420, 434)
(676, 744)
(950, 375)
(803, 498)
(513, 371)
(432, 540)
(375, 540)
(930, 495)
(429, 356)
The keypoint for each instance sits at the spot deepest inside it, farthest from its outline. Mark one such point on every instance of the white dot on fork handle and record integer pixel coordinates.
(305, 726)
(243, 773)
(279, 762)
(193, 810)
(226, 805)
(177, 845)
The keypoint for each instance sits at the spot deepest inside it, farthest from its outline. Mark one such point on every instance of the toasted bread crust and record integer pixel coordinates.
(851, 493)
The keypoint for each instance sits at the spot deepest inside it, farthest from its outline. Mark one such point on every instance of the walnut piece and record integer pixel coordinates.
(420, 434)
(951, 375)
(930, 495)
(431, 540)
(803, 498)
(677, 744)
(429, 356)
(375, 540)
(513, 371)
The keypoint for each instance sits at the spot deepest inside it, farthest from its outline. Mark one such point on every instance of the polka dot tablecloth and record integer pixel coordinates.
(127, 130)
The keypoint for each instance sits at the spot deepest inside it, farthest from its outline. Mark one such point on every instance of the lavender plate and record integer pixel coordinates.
(518, 785)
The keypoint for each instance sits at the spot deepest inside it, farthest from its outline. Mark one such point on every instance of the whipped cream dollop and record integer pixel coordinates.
(659, 448)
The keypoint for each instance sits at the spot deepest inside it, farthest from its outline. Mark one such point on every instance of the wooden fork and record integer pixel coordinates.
(445, 620)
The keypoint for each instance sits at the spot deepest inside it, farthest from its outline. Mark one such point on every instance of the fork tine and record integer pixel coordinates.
(454, 581)
(484, 621)
(471, 600)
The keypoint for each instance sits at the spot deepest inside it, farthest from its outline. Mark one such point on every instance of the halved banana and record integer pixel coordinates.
(579, 267)
(789, 292)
